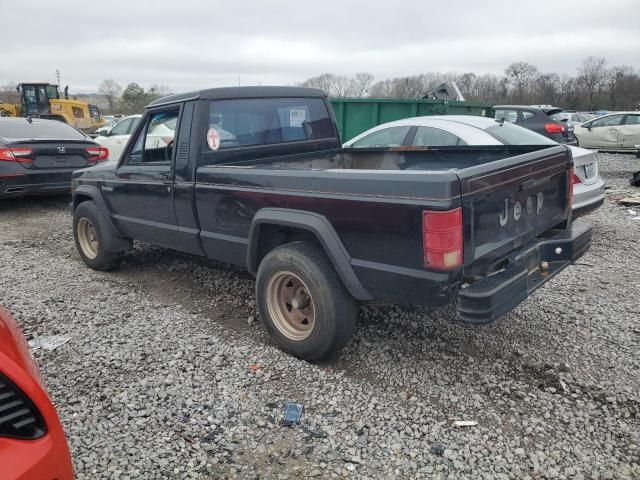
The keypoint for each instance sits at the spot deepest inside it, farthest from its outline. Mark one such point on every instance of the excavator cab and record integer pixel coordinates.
(35, 98)
(43, 100)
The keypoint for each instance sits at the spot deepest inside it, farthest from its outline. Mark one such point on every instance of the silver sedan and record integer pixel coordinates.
(463, 130)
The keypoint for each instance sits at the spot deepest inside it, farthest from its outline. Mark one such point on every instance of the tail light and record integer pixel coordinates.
(20, 155)
(570, 181)
(442, 239)
(553, 128)
(97, 154)
(575, 179)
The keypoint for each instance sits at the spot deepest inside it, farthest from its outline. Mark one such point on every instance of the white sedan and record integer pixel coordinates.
(116, 138)
(618, 131)
(463, 130)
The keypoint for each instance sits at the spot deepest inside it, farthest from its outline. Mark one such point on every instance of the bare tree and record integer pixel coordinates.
(617, 88)
(157, 91)
(521, 75)
(361, 84)
(324, 82)
(9, 93)
(382, 89)
(592, 74)
(111, 90)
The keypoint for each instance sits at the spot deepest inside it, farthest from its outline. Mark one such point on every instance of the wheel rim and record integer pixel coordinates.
(290, 306)
(88, 238)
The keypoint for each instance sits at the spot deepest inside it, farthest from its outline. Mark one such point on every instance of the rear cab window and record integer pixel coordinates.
(266, 121)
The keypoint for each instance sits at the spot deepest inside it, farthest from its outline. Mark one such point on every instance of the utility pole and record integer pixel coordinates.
(58, 76)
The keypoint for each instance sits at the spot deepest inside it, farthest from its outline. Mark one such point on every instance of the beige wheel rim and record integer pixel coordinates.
(88, 238)
(290, 306)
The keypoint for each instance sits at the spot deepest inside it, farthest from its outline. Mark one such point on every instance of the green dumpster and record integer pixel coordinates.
(355, 115)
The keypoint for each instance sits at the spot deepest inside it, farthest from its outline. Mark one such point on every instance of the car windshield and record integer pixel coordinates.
(510, 134)
(37, 130)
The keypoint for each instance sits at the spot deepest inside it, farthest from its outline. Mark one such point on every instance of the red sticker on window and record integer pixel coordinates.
(213, 139)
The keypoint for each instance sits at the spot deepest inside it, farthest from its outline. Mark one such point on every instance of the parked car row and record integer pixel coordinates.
(466, 130)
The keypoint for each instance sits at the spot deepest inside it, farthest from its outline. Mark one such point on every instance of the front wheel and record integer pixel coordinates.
(89, 234)
(305, 307)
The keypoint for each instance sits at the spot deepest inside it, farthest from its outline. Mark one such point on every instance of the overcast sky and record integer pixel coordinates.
(190, 44)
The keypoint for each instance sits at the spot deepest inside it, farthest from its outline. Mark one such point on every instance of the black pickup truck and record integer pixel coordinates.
(257, 176)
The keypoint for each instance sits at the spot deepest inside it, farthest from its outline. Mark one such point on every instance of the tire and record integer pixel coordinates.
(577, 140)
(89, 234)
(304, 306)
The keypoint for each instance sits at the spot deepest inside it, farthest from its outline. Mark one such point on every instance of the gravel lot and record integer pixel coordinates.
(157, 380)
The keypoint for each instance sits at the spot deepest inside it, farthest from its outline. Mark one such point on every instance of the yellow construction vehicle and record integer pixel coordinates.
(43, 100)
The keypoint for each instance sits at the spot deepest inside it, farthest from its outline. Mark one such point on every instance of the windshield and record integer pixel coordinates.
(39, 129)
(509, 134)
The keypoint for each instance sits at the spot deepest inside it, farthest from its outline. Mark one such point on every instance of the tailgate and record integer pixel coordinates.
(509, 202)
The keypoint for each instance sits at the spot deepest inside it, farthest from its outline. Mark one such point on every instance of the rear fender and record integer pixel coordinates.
(321, 229)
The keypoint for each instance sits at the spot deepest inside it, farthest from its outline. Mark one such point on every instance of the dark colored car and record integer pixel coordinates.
(547, 121)
(32, 442)
(38, 156)
(257, 177)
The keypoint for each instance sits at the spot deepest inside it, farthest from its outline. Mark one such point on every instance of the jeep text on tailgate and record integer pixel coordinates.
(257, 177)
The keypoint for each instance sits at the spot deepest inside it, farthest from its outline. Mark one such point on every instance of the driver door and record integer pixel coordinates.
(141, 196)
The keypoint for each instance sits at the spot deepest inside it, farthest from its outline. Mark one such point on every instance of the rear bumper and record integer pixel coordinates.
(587, 198)
(487, 299)
(44, 182)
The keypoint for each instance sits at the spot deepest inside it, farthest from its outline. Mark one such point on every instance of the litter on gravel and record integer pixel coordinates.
(49, 343)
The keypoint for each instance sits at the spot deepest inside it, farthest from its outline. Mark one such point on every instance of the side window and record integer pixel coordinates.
(122, 128)
(526, 114)
(155, 142)
(632, 120)
(387, 137)
(507, 115)
(610, 121)
(435, 137)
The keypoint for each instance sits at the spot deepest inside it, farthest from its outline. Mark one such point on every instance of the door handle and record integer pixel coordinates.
(107, 189)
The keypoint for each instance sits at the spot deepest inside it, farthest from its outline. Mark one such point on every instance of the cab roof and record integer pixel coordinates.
(239, 92)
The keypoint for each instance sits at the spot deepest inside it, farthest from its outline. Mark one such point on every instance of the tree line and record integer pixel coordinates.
(595, 86)
(132, 99)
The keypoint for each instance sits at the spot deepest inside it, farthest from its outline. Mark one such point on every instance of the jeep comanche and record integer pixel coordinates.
(257, 177)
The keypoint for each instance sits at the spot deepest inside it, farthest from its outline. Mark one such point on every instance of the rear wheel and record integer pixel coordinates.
(89, 234)
(577, 140)
(305, 307)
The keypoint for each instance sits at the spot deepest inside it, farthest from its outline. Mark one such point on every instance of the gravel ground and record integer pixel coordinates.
(169, 375)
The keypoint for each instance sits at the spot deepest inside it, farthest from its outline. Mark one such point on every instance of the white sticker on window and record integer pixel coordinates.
(297, 117)
(213, 139)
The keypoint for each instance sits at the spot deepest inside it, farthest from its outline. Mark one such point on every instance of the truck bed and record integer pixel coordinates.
(374, 199)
